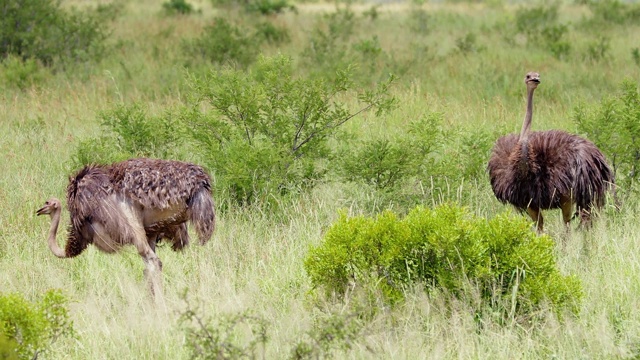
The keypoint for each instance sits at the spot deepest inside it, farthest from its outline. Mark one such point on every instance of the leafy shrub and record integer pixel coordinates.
(268, 7)
(380, 163)
(244, 336)
(43, 31)
(598, 49)
(532, 21)
(465, 158)
(333, 45)
(31, 328)
(14, 72)
(468, 44)
(553, 38)
(334, 332)
(225, 43)
(128, 131)
(372, 13)
(177, 7)
(387, 163)
(8, 348)
(328, 43)
(420, 21)
(443, 247)
(231, 336)
(614, 126)
(263, 7)
(267, 131)
(540, 26)
(611, 12)
(635, 55)
(272, 34)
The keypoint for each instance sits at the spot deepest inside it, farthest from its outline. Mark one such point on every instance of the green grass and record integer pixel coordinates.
(255, 260)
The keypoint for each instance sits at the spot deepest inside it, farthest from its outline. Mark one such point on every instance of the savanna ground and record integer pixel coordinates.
(463, 61)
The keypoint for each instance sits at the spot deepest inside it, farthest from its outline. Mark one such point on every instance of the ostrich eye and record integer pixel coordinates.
(528, 76)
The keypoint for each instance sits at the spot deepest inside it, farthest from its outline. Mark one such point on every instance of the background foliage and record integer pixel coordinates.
(103, 81)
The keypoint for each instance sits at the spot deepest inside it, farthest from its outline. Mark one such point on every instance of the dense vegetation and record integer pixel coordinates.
(348, 145)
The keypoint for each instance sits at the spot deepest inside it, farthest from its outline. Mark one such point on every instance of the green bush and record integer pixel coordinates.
(128, 131)
(387, 163)
(380, 163)
(531, 21)
(268, 7)
(553, 38)
(225, 43)
(8, 348)
(272, 34)
(267, 131)
(21, 74)
(465, 158)
(635, 55)
(328, 42)
(468, 44)
(263, 7)
(330, 334)
(598, 50)
(230, 336)
(614, 126)
(611, 12)
(540, 26)
(31, 328)
(43, 31)
(244, 336)
(177, 7)
(444, 247)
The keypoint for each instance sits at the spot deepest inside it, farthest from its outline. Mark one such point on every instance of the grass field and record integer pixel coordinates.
(254, 261)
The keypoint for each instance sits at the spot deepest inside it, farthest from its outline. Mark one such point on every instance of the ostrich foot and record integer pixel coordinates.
(153, 277)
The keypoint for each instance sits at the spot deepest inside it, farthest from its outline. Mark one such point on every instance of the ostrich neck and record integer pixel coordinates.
(523, 142)
(526, 125)
(53, 244)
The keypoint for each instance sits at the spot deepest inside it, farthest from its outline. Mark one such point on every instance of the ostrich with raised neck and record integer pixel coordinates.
(548, 170)
(134, 202)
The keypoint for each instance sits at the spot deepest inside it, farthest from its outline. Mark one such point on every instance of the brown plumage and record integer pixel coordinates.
(548, 169)
(134, 202)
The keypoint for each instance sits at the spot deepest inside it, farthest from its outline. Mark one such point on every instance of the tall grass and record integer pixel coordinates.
(255, 259)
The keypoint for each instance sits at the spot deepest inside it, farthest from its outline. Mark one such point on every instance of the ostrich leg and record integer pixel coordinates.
(566, 205)
(152, 264)
(536, 215)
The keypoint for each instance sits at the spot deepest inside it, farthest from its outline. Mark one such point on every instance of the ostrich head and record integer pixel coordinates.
(50, 206)
(532, 79)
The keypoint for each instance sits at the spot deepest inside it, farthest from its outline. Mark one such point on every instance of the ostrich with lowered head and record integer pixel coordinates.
(134, 202)
(548, 170)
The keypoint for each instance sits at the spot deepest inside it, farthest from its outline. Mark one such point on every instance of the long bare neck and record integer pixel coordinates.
(53, 244)
(526, 124)
(523, 141)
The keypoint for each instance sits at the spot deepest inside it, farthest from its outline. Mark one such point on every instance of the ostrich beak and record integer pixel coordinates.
(43, 210)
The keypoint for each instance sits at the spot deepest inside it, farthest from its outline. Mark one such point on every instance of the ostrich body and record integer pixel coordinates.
(134, 202)
(548, 170)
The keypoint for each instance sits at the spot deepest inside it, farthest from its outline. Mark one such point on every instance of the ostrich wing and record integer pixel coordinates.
(501, 172)
(86, 193)
(158, 183)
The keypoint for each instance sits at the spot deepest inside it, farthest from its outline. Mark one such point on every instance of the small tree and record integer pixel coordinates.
(267, 131)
